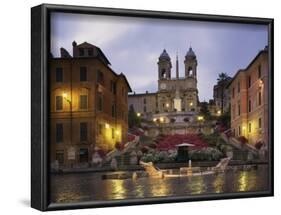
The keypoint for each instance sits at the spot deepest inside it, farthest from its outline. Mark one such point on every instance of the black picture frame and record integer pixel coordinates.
(40, 47)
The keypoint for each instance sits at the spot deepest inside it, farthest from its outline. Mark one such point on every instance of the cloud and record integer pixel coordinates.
(133, 45)
(99, 30)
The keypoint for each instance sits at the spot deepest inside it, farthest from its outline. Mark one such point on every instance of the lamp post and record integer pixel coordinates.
(68, 100)
(64, 95)
(200, 119)
(161, 120)
(244, 130)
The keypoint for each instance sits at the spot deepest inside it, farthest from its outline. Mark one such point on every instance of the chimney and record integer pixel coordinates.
(74, 44)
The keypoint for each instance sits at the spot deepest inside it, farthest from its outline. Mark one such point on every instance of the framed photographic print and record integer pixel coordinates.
(140, 107)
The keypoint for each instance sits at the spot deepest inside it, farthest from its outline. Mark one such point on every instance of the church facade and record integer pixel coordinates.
(175, 95)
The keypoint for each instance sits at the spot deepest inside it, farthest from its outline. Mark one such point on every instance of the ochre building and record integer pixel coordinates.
(88, 105)
(249, 100)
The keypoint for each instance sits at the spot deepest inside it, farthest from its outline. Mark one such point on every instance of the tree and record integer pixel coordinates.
(204, 110)
(224, 119)
(133, 119)
(222, 81)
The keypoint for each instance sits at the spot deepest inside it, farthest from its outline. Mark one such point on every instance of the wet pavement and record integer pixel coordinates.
(90, 186)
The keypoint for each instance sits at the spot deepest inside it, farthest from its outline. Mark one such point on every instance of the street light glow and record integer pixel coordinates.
(200, 118)
(138, 114)
(106, 125)
(64, 95)
(161, 119)
(260, 83)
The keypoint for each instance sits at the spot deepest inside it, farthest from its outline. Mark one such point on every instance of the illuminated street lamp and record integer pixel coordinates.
(167, 105)
(64, 95)
(219, 112)
(154, 119)
(200, 119)
(138, 114)
(260, 82)
(161, 124)
(244, 130)
(106, 125)
(191, 104)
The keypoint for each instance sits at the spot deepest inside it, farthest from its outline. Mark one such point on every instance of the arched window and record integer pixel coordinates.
(163, 73)
(190, 71)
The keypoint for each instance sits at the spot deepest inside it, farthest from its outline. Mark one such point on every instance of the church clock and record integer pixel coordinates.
(163, 86)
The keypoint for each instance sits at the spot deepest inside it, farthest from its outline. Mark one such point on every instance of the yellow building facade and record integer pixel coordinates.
(249, 100)
(88, 105)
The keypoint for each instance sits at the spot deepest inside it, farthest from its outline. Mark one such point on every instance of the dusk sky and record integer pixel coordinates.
(133, 45)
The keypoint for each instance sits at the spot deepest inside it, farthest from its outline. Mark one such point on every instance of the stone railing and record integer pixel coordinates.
(236, 143)
(116, 152)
